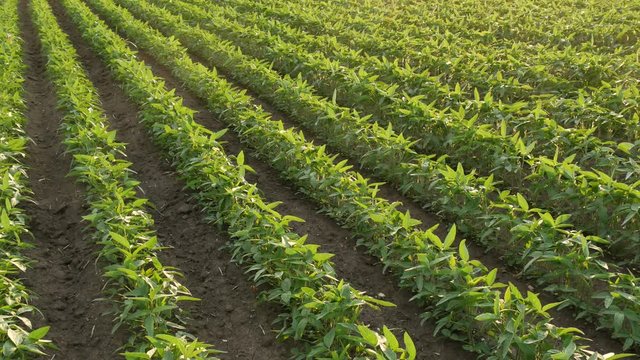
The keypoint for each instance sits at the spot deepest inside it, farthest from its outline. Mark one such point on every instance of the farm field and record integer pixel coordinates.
(258, 179)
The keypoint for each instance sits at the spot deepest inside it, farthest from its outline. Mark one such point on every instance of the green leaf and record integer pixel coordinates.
(411, 347)
(120, 239)
(8, 349)
(135, 355)
(389, 354)
(611, 356)
(379, 302)
(464, 252)
(522, 202)
(618, 319)
(149, 244)
(487, 317)
(491, 277)
(219, 134)
(547, 218)
(39, 333)
(378, 218)
(393, 341)
(321, 257)
(569, 330)
(435, 240)
(408, 222)
(327, 340)
(15, 336)
(451, 237)
(368, 335)
(625, 147)
(4, 220)
(149, 325)
(175, 341)
(533, 299)
(240, 158)
(290, 218)
(550, 306)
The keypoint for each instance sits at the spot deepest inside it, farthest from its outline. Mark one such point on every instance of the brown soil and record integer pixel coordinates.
(229, 315)
(361, 270)
(601, 339)
(65, 277)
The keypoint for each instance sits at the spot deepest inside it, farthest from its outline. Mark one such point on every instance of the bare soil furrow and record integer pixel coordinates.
(361, 270)
(65, 276)
(351, 264)
(228, 315)
(602, 341)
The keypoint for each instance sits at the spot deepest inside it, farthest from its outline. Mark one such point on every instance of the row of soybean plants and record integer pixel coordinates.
(597, 203)
(450, 19)
(521, 17)
(431, 267)
(17, 336)
(431, 35)
(322, 312)
(608, 156)
(594, 26)
(605, 77)
(544, 245)
(409, 24)
(579, 111)
(505, 139)
(514, 82)
(145, 293)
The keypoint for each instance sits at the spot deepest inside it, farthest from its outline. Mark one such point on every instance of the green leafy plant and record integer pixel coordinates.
(344, 195)
(599, 209)
(543, 245)
(18, 337)
(145, 293)
(505, 68)
(290, 270)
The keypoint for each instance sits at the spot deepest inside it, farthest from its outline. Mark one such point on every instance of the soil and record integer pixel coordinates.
(170, 203)
(601, 340)
(361, 270)
(65, 277)
(356, 267)
(229, 315)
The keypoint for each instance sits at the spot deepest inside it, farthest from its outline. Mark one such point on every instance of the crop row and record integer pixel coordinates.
(545, 246)
(554, 80)
(389, 102)
(490, 73)
(145, 293)
(322, 311)
(605, 78)
(596, 27)
(597, 203)
(437, 35)
(343, 194)
(612, 158)
(17, 336)
(445, 20)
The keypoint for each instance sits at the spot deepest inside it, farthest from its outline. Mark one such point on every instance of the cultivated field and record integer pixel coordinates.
(352, 179)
